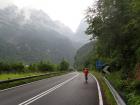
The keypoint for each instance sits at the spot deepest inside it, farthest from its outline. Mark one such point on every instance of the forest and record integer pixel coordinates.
(115, 29)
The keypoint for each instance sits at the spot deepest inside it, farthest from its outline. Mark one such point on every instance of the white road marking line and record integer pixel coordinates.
(28, 83)
(99, 91)
(27, 102)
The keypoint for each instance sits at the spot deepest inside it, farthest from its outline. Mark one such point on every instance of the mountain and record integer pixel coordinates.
(80, 37)
(31, 36)
(81, 57)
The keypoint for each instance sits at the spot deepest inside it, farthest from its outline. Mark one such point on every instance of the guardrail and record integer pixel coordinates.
(28, 77)
(117, 97)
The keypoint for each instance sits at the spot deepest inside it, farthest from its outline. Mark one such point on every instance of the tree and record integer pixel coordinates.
(17, 67)
(115, 26)
(64, 65)
(45, 66)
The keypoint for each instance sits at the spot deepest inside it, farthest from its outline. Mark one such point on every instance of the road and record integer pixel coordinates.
(69, 89)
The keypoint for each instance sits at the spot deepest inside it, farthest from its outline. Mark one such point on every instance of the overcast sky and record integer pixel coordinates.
(69, 12)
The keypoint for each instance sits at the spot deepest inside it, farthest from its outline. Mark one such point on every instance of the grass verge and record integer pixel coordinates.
(8, 76)
(107, 95)
(20, 82)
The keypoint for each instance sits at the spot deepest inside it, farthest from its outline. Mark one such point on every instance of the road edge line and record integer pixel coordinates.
(25, 84)
(30, 100)
(99, 90)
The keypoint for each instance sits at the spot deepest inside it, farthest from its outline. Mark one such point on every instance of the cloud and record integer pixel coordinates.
(5, 3)
(70, 12)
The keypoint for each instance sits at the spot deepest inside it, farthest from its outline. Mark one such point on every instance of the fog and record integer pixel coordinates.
(31, 35)
(69, 12)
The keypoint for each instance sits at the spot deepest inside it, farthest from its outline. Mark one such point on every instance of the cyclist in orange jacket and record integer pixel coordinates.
(86, 71)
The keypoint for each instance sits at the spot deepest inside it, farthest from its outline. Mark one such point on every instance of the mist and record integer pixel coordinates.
(31, 35)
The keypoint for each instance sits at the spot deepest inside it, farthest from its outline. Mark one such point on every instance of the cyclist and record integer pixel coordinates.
(85, 71)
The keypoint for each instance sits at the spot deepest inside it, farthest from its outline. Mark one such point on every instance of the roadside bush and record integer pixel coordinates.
(133, 99)
(64, 65)
(4, 67)
(45, 66)
(17, 67)
(135, 86)
(32, 68)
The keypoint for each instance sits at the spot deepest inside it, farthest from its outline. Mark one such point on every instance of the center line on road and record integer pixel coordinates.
(27, 102)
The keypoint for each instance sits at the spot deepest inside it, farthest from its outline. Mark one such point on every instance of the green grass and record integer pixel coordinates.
(115, 78)
(107, 95)
(17, 75)
(20, 82)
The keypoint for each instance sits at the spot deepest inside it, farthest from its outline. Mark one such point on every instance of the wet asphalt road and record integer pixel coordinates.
(74, 92)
